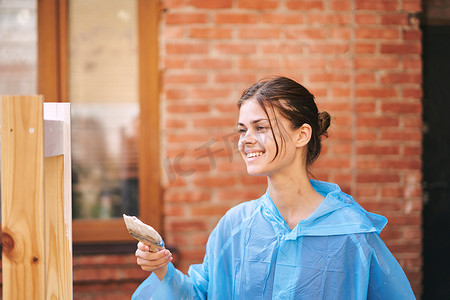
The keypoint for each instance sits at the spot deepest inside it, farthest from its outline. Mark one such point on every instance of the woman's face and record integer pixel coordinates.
(256, 143)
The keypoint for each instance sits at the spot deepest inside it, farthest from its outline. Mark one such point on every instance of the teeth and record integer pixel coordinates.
(254, 154)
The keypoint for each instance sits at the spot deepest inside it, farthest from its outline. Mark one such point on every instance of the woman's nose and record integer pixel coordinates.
(247, 138)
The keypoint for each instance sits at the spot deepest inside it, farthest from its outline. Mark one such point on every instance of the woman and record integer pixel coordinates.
(303, 239)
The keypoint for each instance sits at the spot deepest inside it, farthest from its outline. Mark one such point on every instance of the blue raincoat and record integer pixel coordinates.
(336, 253)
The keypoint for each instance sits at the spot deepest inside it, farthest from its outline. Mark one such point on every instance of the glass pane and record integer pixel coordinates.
(18, 47)
(103, 90)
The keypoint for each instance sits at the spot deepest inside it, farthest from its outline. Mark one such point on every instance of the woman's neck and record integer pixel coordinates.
(294, 197)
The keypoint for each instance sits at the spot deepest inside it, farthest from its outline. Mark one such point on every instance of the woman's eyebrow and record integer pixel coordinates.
(253, 122)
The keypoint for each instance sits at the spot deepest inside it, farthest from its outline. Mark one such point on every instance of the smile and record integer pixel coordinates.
(254, 154)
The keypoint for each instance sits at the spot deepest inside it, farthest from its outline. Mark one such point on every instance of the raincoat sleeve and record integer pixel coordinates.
(386, 277)
(175, 285)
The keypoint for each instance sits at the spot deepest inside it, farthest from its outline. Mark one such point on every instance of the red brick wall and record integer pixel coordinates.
(361, 59)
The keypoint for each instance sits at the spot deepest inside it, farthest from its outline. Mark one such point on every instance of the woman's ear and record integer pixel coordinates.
(303, 135)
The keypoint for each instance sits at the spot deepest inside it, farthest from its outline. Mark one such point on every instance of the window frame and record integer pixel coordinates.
(53, 84)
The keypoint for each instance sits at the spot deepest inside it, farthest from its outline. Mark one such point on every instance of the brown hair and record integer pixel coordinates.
(295, 103)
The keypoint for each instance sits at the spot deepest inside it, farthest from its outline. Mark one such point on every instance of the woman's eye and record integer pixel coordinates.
(260, 128)
(242, 130)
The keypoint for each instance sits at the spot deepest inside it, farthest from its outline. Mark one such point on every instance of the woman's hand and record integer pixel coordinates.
(155, 262)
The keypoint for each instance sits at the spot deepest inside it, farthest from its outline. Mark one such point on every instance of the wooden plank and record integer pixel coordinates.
(23, 263)
(58, 201)
(61, 112)
(58, 247)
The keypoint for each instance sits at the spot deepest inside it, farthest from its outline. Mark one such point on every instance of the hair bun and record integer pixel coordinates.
(324, 123)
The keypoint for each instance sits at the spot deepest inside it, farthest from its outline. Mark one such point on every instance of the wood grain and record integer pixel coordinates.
(22, 178)
(58, 252)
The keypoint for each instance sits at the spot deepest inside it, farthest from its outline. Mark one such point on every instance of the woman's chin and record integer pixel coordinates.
(254, 171)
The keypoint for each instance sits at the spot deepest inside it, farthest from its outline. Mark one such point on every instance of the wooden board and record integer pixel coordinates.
(22, 178)
(58, 249)
(36, 199)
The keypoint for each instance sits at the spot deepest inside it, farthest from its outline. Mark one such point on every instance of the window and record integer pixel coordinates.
(102, 57)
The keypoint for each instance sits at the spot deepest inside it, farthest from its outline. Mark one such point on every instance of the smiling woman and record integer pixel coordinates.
(302, 239)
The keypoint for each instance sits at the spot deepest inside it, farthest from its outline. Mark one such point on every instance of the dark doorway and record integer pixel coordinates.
(436, 162)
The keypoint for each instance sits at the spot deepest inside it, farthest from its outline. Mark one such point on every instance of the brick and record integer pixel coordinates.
(305, 5)
(185, 18)
(235, 48)
(329, 77)
(340, 33)
(412, 63)
(412, 150)
(377, 178)
(328, 48)
(260, 4)
(412, 6)
(362, 134)
(339, 63)
(175, 123)
(176, 63)
(282, 18)
(211, 4)
(341, 148)
(236, 18)
(377, 33)
(415, 93)
(258, 33)
(414, 121)
(334, 163)
(303, 63)
(282, 48)
(366, 18)
(210, 33)
(210, 93)
(401, 164)
(340, 92)
(377, 122)
(187, 137)
(365, 78)
(186, 225)
(254, 63)
(412, 35)
(340, 5)
(375, 92)
(208, 181)
(185, 48)
(184, 78)
(174, 210)
(377, 5)
(187, 196)
(395, 19)
(215, 122)
(395, 107)
(365, 107)
(400, 49)
(402, 135)
(211, 209)
(329, 19)
(231, 77)
(176, 94)
(335, 106)
(377, 150)
(173, 33)
(210, 63)
(174, 3)
(309, 33)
